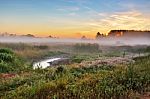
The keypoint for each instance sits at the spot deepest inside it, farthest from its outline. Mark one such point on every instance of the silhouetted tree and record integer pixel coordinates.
(50, 36)
(83, 37)
(29, 35)
(99, 35)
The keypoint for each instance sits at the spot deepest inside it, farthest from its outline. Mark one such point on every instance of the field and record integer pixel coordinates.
(94, 72)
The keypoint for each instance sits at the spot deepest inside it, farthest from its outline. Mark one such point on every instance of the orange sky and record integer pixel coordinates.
(72, 18)
(69, 28)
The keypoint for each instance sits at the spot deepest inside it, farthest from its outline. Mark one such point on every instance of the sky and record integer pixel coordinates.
(73, 18)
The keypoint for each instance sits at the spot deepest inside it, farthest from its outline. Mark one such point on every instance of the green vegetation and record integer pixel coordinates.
(86, 82)
(72, 81)
(9, 62)
(91, 48)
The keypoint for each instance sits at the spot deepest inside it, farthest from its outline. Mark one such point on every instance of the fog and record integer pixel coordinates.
(103, 41)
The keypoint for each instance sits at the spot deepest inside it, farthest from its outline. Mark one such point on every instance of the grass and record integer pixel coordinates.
(93, 82)
(75, 82)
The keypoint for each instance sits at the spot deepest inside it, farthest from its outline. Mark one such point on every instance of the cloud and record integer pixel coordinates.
(72, 14)
(77, 1)
(68, 8)
(127, 5)
(104, 21)
(121, 20)
(139, 5)
(78, 34)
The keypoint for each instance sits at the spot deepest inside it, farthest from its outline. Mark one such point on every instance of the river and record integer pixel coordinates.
(45, 63)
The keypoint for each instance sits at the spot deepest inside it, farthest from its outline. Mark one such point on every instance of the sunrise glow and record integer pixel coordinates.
(72, 18)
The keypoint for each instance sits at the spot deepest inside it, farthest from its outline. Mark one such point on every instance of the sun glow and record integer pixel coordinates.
(70, 20)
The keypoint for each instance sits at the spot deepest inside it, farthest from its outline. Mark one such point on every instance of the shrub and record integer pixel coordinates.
(5, 68)
(7, 51)
(9, 62)
(6, 57)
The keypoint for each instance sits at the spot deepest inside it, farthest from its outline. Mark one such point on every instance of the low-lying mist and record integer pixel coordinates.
(104, 41)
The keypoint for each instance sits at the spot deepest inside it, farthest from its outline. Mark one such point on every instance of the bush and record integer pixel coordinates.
(5, 68)
(9, 62)
(6, 57)
(7, 51)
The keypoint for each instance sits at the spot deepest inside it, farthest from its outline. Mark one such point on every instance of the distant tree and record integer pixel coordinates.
(83, 37)
(29, 35)
(99, 35)
(50, 36)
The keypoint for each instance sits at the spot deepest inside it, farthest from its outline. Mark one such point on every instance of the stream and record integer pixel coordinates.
(45, 63)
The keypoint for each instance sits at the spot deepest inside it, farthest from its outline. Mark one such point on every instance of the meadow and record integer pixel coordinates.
(94, 72)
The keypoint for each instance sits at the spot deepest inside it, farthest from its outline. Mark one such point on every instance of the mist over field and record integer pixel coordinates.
(107, 67)
(103, 41)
